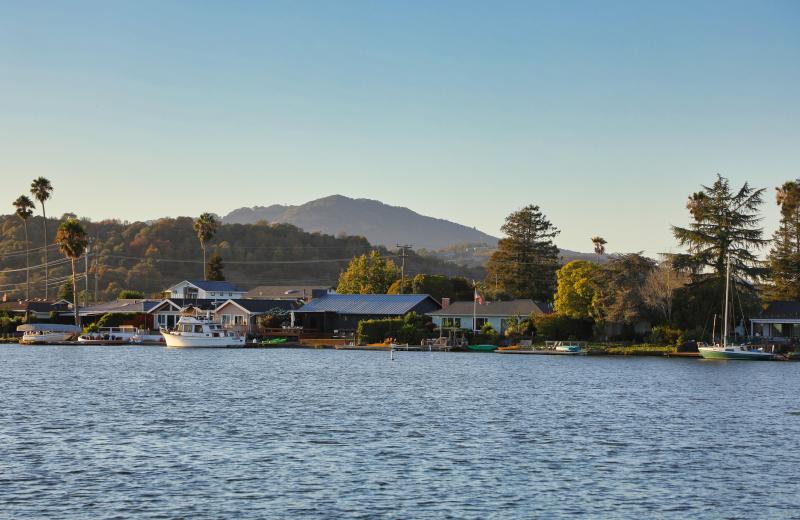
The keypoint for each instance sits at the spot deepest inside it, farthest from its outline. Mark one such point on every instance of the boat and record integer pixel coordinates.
(274, 341)
(199, 332)
(731, 351)
(110, 336)
(482, 348)
(568, 349)
(46, 333)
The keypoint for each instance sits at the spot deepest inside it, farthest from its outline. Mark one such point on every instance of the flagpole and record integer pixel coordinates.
(474, 307)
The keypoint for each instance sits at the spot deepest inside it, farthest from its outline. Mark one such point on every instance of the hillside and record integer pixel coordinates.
(152, 256)
(379, 223)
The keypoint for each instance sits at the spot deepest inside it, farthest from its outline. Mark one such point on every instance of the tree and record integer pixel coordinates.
(784, 257)
(619, 291)
(214, 268)
(72, 241)
(525, 262)
(456, 288)
(205, 226)
(660, 286)
(599, 244)
(128, 294)
(66, 292)
(576, 289)
(368, 274)
(24, 210)
(724, 223)
(41, 189)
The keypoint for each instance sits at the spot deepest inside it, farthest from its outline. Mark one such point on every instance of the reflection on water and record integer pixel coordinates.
(114, 432)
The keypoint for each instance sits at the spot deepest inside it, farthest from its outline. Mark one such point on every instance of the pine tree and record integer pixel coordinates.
(724, 223)
(525, 262)
(214, 271)
(784, 257)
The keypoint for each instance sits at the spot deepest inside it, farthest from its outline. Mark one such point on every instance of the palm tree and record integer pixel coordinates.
(599, 245)
(24, 211)
(72, 240)
(205, 226)
(41, 189)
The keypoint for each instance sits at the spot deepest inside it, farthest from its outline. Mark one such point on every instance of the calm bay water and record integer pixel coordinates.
(146, 432)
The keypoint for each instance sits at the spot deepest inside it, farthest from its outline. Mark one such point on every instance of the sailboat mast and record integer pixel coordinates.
(727, 289)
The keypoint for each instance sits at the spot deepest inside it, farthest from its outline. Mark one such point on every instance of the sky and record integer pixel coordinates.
(606, 114)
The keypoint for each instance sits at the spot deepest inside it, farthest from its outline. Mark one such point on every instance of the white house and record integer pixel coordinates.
(458, 315)
(205, 290)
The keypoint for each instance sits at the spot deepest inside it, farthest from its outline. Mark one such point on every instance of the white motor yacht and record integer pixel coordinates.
(191, 331)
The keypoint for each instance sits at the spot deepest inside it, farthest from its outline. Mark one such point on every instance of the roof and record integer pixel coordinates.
(47, 327)
(205, 304)
(213, 285)
(287, 292)
(782, 309)
(509, 308)
(32, 306)
(125, 306)
(367, 304)
(262, 306)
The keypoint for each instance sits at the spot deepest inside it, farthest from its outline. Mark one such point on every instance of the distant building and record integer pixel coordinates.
(137, 309)
(779, 320)
(289, 292)
(342, 312)
(38, 309)
(205, 290)
(458, 315)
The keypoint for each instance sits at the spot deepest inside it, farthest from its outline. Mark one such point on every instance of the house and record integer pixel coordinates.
(241, 314)
(458, 315)
(38, 309)
(289, 292)
(137, 309)
(780, 320)
(167, 312)
(342, 312)
(205, 290)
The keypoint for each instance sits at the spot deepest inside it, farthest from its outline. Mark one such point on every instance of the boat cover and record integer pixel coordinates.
(47, 327)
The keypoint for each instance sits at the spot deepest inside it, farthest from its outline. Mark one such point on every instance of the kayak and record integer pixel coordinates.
(482, 348)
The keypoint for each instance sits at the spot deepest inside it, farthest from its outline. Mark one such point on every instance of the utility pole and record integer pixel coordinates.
(403, 254)
(86, 273)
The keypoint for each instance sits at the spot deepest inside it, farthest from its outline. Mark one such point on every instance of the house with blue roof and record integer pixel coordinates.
(205, 290)
(340, 313)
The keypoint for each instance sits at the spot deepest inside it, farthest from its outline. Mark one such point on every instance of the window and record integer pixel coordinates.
(226, 319)
(451, 323)
(238, 320)
(480, 322)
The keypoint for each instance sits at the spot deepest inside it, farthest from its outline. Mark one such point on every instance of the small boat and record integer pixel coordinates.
(47, 333)
(569, 349)
(274, 341)
(482, 348)
(197, 332)
(110, 336)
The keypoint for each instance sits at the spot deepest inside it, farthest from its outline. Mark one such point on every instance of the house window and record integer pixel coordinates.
(226, 319)
(451, 323)
(230, 294)
(480, 322)
(238, 319)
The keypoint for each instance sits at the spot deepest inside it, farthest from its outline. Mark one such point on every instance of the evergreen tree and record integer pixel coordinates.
(368, 275)
(724, 223)
(214, 269)
(525, 262)
(784, 257)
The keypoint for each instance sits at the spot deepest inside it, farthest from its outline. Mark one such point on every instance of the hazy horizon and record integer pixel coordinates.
(606, 115)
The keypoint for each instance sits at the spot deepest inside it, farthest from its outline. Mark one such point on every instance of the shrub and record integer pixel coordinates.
(128, 294)
(560, 327)
(664, 335)
(411, 329)
(113, 319)
(375, 331)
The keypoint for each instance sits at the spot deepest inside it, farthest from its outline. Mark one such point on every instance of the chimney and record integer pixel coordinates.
(445, 303)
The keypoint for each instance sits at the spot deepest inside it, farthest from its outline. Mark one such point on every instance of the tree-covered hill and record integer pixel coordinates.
(152, 256)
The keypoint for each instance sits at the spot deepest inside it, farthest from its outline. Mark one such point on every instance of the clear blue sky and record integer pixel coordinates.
(606, 114)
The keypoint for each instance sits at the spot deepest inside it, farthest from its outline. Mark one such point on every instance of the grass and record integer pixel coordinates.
(645, 349)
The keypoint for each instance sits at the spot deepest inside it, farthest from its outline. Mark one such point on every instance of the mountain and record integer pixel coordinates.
(379, 223)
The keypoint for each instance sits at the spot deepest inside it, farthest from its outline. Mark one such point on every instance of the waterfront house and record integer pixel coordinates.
(38, 309)
(340, 313)
(241, 314)
(779, 321)
(169, 310)
(138, 310)
(305, 293)
(459, 315)
(205, 290)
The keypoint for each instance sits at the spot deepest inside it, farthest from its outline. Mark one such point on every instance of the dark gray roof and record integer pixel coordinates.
(206, 304)
(367, 304)
(210, 285)
(122, 306)
(783, 309)
(510, 308)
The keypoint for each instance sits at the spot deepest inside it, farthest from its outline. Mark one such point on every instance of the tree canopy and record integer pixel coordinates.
(526, 260)
(576, 289)
(214, 269)
(368, 274)
(784, 256)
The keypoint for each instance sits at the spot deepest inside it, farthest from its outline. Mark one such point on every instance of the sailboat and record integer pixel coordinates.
(731, 351)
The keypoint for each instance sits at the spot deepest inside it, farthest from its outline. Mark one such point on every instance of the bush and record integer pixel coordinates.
(664, 335)
(128, 294)
(114, 319)
(411, 329)
(560, 327)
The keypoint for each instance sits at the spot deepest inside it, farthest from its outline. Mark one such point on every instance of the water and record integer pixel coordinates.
(146, 432)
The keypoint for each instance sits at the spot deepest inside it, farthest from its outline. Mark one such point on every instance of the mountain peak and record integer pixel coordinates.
(377, 221)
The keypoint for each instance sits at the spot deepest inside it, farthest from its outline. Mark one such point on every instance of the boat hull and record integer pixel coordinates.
(740, 355)
(482, 348)
(175, 341)
(46, 339)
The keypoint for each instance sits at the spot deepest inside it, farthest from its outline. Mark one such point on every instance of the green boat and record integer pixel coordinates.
(274, 341)
(482, 348)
